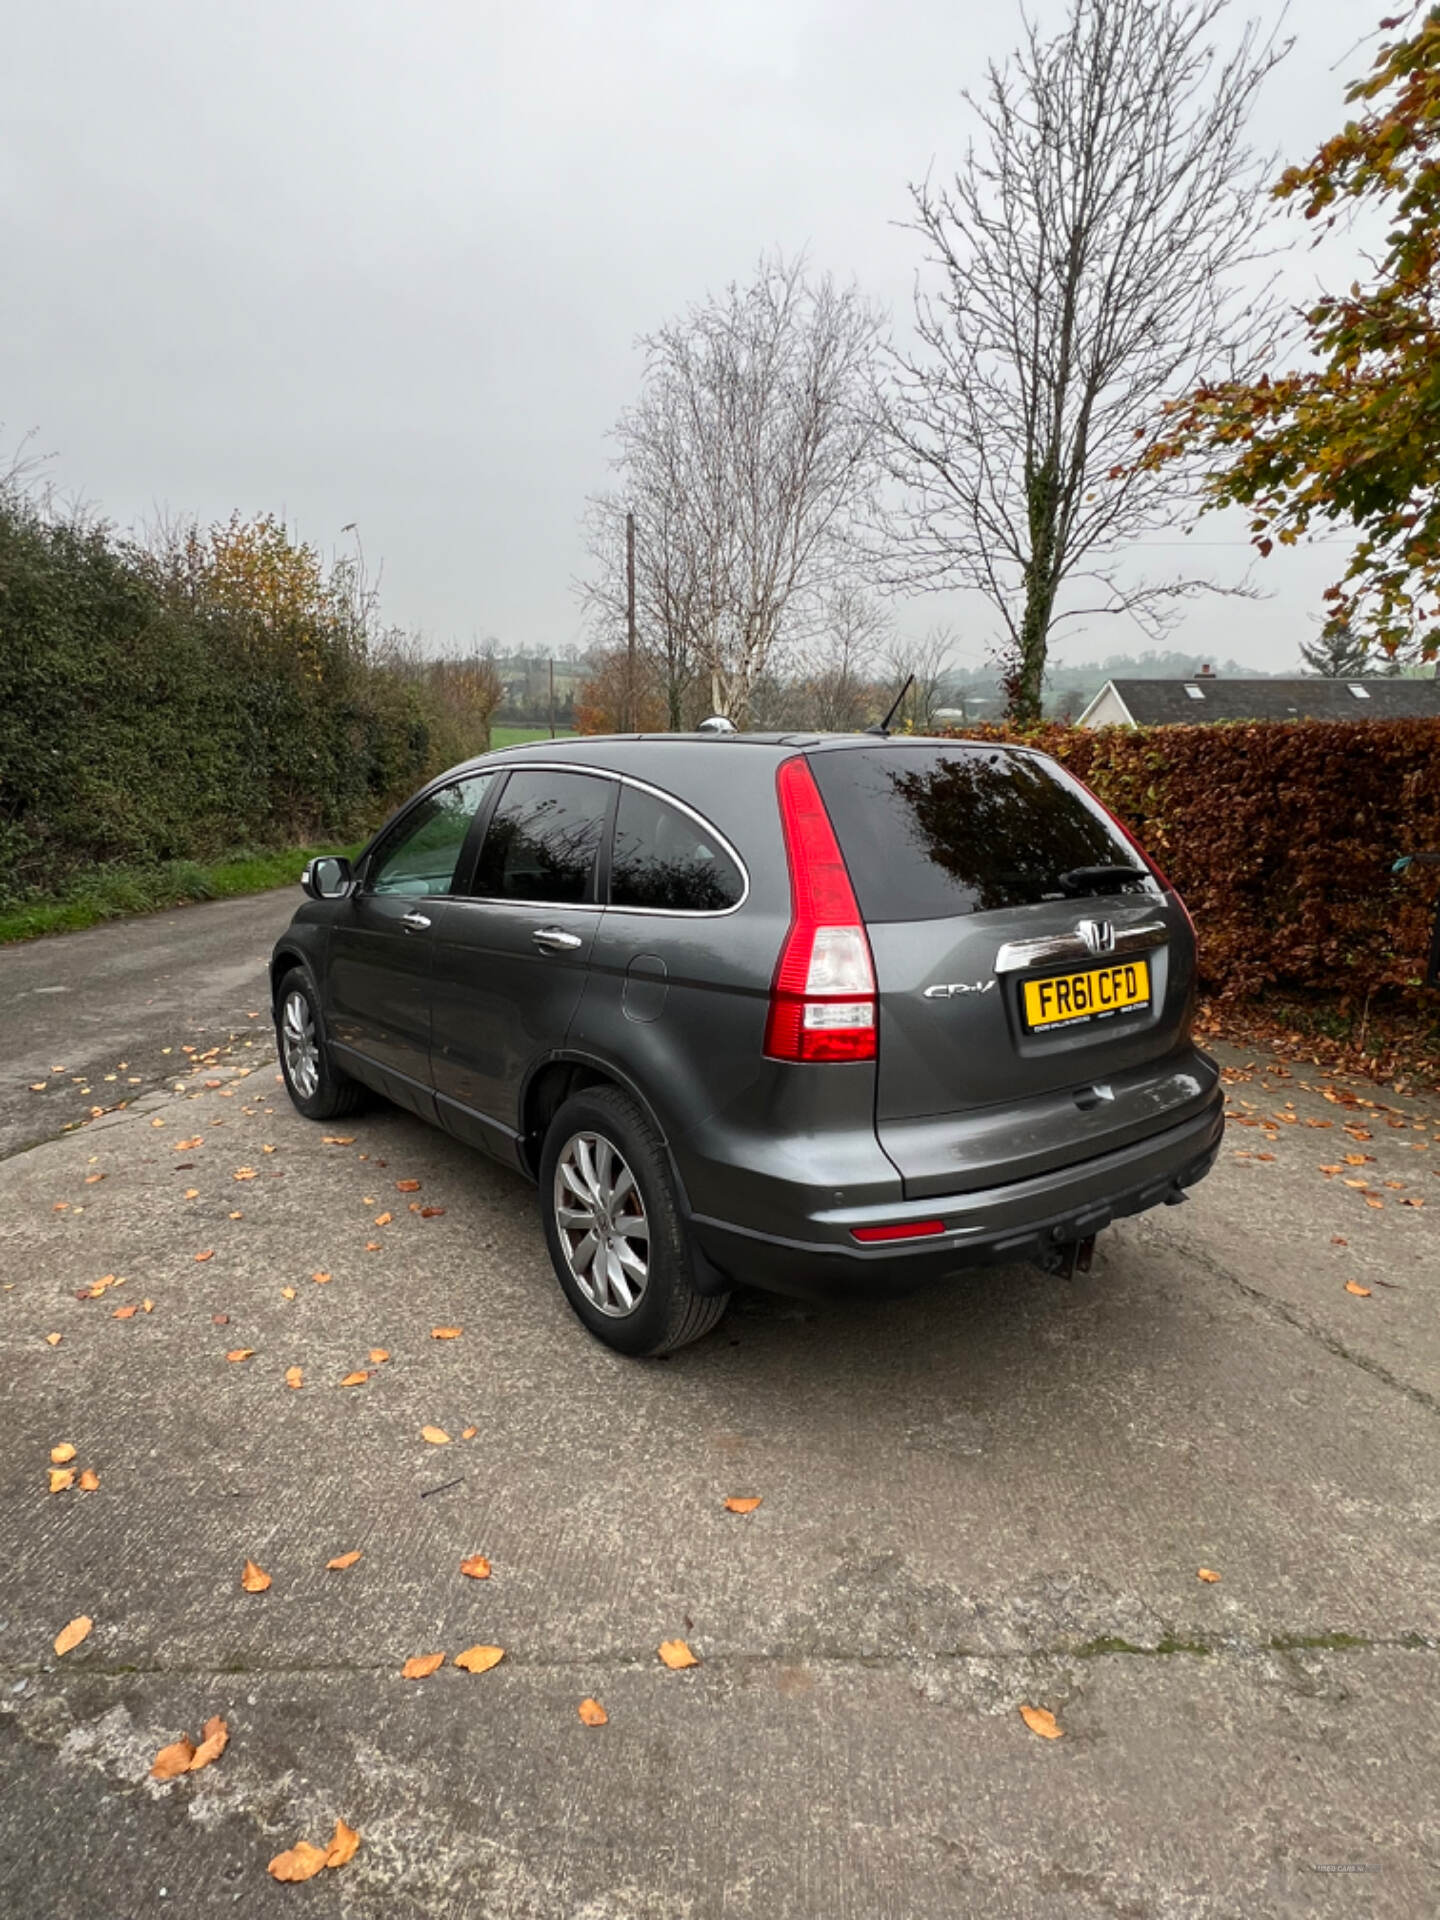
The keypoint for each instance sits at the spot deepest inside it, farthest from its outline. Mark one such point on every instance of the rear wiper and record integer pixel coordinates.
(1099, 879)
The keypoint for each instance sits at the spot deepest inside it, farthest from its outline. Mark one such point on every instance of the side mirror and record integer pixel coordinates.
(328, 878)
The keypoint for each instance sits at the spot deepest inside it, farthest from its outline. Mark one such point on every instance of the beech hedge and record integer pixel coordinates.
(1281, 837)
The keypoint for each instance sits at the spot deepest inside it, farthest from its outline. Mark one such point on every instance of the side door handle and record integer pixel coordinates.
(556, 939)
(416, 922)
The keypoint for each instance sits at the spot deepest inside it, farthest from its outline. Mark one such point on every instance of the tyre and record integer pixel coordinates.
(617, 1238)
(320, 1089)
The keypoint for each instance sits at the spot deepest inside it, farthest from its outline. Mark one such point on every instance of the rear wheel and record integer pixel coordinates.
(320, 1089)
(617, 1238)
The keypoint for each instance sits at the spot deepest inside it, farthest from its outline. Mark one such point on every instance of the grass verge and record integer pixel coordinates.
(109, 893)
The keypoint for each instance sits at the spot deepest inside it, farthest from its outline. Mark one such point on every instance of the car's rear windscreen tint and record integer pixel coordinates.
(932, 831)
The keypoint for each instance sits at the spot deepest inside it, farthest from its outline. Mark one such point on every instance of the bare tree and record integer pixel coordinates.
(747, 460)
(838, 682)
(1092, 255)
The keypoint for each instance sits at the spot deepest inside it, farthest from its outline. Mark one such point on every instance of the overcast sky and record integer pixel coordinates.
(385, 264)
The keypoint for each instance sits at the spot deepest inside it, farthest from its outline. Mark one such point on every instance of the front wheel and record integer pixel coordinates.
(617, 1238)
(320, 1089)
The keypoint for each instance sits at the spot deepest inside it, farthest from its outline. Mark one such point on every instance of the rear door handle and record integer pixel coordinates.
(556, 940)
(417, 922)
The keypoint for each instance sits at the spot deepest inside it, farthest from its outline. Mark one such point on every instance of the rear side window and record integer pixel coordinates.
(932, 831)
(543, 838)
(664, 858)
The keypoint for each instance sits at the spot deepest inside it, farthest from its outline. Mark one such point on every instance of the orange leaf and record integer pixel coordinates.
(745, 1504)
(371, 1246)
(339, 1139)
(437, 1436)
(192, 1193)
(477, 1566)
(469, 1433)
(125, 1313)
(1354, 1286)
(147, 1306)
(61, 1479)
(287, 1293)
(354, 1379)
(294, 1376)
(53, 1339)
(676, 1654)
(421, 1665)
(343, 1846)
(91, 1178)
(480, 1659)
(241, 1353)
(407, 1186)
(62, 1453)
(300, 1862)
(431, 1213)
(214, 1737)
(89, 1481)
(254, 1579)
(1208, 1575)
(245, 1173)
(70, 1637)
(320, 1278)
(1040, 1720)
(342, 1560)
(208, 1254)
(378, 1356)
(383, 1219)
(446, 1333)
(592, 1713)
(173, 1760)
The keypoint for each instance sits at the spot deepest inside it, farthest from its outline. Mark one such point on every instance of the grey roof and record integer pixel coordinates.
(1160, 703)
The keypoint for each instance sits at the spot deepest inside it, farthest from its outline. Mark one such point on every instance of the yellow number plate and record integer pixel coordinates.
(1068, 997)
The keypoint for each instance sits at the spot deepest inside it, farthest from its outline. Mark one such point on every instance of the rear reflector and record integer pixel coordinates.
(902, 1230)
(822, 999)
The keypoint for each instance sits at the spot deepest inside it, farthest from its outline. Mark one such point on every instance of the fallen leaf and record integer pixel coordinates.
(254, 1579)
(38, 1086)
(320, 1278)
(89, 1481)
(355, 1379)
(1208, 1575)
(1412, 1201)
(188, 1146)
(1354, 1286)
(480, 1659)
(431, 1213)
(70, 1637)
(407, 1186)
(192, 1193)
(1040, 1720)
(446, 1333)
(300, 1862)
(378, 1356)
(477, 1567)
(343, 1846)
(125, 1313)
(469, 1433)
(174, 1760)
(342, 1560)
(1264, 1156)
(372, 1246)
(241, 1353)
(1329, 1171)
(676, 1654)
(592, 1713)
(237, 1216)
(53, 1339)
(214, 1738)
(287, 1293)
(1373, 1200)
(295, 1377)
(437, 1436)
(147, 1306)
(421, 1665)
(742, 1504)
(1336, 1240)
(61, 1479)
(339, 1139)
(92, 1178)
(219, 1319)
(62, 1453)
(383, 1219)
(208, 1254)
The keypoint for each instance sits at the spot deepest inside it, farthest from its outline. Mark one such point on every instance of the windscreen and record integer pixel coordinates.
(932, 831)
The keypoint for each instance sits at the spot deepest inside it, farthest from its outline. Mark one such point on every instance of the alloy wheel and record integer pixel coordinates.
(300, 1045)
(603, 1229)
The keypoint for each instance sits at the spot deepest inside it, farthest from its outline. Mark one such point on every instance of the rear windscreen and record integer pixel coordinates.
(931, 831)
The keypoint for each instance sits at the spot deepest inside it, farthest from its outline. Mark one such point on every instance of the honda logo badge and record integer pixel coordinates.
(1098, 935)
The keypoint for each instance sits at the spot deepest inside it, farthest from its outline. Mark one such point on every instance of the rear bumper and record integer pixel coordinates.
(1021, 1221)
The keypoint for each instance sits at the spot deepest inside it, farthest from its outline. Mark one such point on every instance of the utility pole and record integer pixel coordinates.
(552, 699)
(630, 726)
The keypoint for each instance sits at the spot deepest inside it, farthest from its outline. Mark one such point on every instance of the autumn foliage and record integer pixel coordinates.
(1281, 837)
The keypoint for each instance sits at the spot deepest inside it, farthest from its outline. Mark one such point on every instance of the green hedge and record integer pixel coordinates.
(1281, 837)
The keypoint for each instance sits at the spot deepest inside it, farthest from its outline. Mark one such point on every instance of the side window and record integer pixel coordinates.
(543, 838)
(421, 855)
(663, 858)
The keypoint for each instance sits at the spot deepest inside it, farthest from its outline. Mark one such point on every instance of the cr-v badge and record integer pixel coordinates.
(949, 991)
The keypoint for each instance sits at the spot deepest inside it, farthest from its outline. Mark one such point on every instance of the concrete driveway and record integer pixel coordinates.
(994, 1496)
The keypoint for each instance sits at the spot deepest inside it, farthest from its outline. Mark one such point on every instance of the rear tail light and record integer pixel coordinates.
(822, 1000)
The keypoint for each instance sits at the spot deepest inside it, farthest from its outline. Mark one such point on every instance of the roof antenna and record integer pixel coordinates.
(883, 730)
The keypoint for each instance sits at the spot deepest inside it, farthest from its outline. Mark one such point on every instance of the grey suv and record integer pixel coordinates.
(818, 1014)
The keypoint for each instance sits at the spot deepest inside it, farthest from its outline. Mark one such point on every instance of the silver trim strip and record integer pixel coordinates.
(1016, 955)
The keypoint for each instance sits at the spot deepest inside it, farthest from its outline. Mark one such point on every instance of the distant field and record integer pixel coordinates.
(517, 736)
